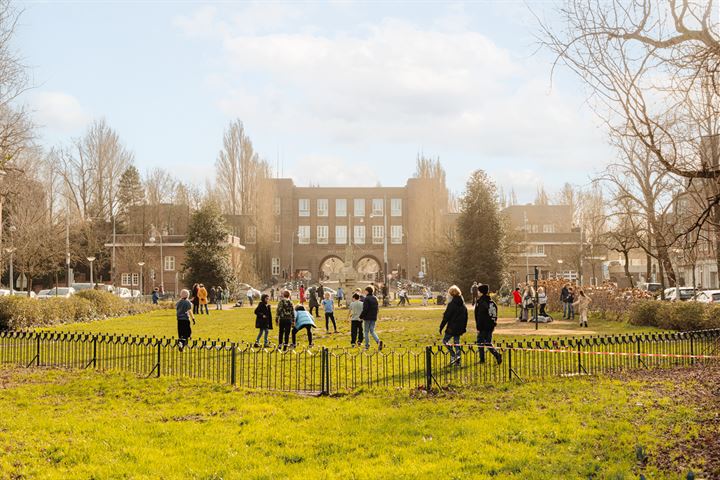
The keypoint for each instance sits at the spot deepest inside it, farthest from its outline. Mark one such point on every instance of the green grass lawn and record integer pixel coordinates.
(397, 326)
(87, 424)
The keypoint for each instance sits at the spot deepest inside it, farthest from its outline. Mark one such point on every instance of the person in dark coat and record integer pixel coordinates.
(455, 319)
(313, 301)
(486, 321)
(284, 318)
(183, 310)
(195, 299)
(263, 319)
(369, 316)
(212, 293)
(563, 299)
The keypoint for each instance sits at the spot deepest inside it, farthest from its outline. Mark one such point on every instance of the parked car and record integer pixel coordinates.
(123, 292)
(79, 287)
(4, 292)
(707, 296)
(686, 293)
(104, 287)
(650, 287)
(65, 292)
(20, 293)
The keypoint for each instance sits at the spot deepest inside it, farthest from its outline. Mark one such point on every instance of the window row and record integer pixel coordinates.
(341, 207)
(341, 234)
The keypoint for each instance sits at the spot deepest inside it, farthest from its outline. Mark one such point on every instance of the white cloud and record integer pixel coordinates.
(59, 111)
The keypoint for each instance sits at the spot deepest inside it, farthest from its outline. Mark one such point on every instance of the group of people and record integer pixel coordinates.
(526, 302)
(570, 303)
(289, 318)
(201, 298)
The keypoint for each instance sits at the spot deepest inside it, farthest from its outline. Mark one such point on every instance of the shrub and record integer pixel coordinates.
(645, 313)
(23, 312)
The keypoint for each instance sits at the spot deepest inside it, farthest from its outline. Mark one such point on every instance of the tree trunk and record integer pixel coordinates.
(666, 266)
(627, 269)
(648, 267)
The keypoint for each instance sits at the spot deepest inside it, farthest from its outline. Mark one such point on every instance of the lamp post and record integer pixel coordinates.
(91, 259)
(560, 263)
(142, 292)
(162, 259)
(10, 252)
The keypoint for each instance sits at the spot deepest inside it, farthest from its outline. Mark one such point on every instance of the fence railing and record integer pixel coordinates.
(338, 369)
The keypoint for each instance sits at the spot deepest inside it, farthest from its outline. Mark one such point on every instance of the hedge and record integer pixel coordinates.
(675, 315)
(18, 312)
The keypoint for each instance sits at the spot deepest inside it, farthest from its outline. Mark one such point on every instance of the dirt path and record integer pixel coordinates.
(510, 326)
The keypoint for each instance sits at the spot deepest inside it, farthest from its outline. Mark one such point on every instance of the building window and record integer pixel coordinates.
(304, 207)
(275, 266)
(304, 234)
(322, 207)
(534, 228)
(135, 279)
(125, 279)
(377, 206)
(169, 263)
(423, 264)
(359, 234)
(535, 250)
(396, 207)
(340, 207)
(396, 234)
(377, 234)
(276, 206)
(340, 234)
(359, 204)
(276, 233)
(322, 234)
(549, 228)
(250, 234)
(540, 249)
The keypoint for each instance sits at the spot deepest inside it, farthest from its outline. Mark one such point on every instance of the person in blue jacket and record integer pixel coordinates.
(303, 319)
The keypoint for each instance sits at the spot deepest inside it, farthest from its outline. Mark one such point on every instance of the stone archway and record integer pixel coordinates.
(330, 268)
(368, 268)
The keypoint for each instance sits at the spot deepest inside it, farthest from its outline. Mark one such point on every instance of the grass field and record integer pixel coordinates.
(86, 424)
(396, 327)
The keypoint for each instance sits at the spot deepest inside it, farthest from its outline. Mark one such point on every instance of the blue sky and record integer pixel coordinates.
(337, 93)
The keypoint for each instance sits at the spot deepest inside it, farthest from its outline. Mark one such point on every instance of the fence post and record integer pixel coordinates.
(692, 350)
(580, 367)
(94, 361)
(324, 372)
(233, 373)
(159, 348)
(428, 368)
(509, 363)
(37, 353)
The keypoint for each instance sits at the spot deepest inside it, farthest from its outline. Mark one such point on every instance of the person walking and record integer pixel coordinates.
(203, 297)
(219, 294)
(284, 318)
(340, 295)
(474, 292)
(155, 295)
(272, 293)
(542, 301)
(303, 319)
(313, 301)
(320, 292)
(455, 319)
(528, 302)
(570, 299)
(425, 296)
(301, 294)
(211, 295)
(356, 323)
(563, 299)
(582, 303)
(263, 319)
(485, 322)
(369, 316)
(183, 311)
(195, 299)
(329, 308)
(517, 299)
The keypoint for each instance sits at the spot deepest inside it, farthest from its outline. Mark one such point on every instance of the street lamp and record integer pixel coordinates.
(91, 259)
(141, 264)
(162, 258)
(560, 263)
(10, 251)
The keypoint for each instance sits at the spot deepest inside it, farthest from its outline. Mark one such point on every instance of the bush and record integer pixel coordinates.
(675, 315)
(645, 313)
(24, 312)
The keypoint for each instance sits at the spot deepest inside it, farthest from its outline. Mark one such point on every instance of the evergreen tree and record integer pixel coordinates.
(207, 257)
(479, 244)
(130, 192)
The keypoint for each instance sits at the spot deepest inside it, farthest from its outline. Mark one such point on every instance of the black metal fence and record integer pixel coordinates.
(339, 369)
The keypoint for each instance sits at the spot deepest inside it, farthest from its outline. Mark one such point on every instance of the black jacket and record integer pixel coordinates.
(485, 314)
(370, 308)
(263, 316)
(312, 298)
(455, 317)
(563, 294)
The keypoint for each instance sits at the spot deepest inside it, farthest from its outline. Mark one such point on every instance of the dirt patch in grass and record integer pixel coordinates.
(697, 388)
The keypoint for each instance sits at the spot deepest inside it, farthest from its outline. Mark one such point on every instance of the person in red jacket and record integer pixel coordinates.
(517, 298)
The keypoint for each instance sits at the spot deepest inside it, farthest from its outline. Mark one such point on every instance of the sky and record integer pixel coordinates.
(331, 93)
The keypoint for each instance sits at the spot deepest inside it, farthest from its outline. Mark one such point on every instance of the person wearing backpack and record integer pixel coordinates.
(485, 322)
(455, 318)
(284, 318)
